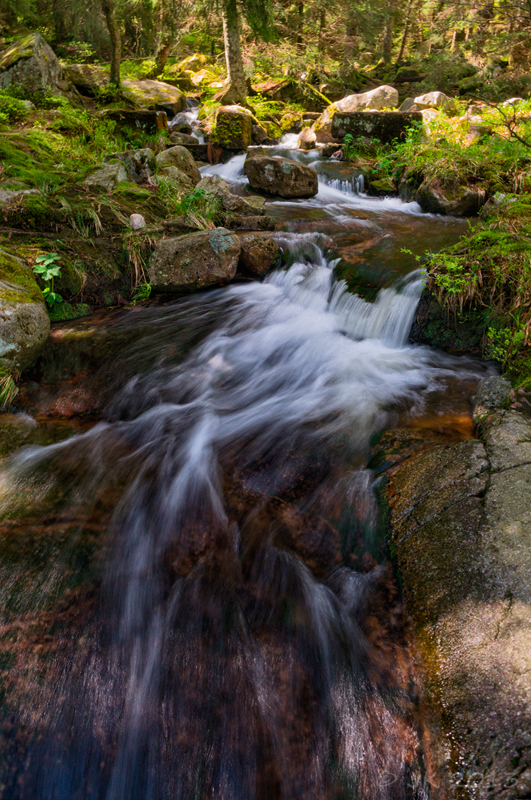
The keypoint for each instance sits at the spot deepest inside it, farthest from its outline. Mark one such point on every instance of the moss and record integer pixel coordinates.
(65, 311)
(23, 48)
(13, 271)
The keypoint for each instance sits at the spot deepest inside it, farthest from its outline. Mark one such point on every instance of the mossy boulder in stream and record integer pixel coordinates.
(24, 322)
(195, 261)
(234, 127)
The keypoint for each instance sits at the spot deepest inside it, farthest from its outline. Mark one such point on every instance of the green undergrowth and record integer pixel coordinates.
(489, 271)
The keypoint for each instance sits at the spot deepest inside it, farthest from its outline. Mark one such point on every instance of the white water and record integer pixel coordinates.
(333, 194)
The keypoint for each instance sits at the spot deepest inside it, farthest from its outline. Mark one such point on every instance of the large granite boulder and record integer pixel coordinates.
(31, 64)
(233, 127)
(157, 95)
(463, 549)
(24, 321)
(459, 201)
(382, 125)
(181, 158)
(192, 262)
(437, 100)
(281, 177)
(375, 100)
(214, 186)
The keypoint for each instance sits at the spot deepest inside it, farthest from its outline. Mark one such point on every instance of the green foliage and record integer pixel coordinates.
(48, 268)
(142, 292)
(12, 109)
(200, 208)
(8, 388)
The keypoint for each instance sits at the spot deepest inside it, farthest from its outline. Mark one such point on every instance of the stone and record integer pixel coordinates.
(24, 321)
(178, 177)
(464, 553)
(195, 261)
(476, 133)
(409, 105)
(281, 177)
(140, 164)
(31, 64)
(146, 121)
(87, 78)
(382, 125)
(108, 177)
(184, 139)
(137, 222)
(259, 134)
(307, 139)
(258, 253)
(157, 95)
(512, 101)
(233, 127)
(460, 201)
(491, 393)
(180, 157)
(375, 100)
(258, 223)
(214, 186)
(435, 100)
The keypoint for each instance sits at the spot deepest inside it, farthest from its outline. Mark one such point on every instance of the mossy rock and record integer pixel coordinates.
(61, 312)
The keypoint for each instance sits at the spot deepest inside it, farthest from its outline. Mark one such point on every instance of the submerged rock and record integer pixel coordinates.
(24, 322)
(281, 177)
(192, 262)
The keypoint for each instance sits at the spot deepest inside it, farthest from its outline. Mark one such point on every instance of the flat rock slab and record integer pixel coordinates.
(382, 125)
(461, 522)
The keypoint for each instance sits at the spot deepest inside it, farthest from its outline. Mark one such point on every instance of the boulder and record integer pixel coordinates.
(180, 157)
(192, 262)
(108, 177)
(146, 121)
(382, 125)
(176, 137)
(435, 100)
(140, 164)
(375, 100)
(87, 78)
(492, 393)
(24, 321)
(477, 132)
(158, 95)
(180, 179)
(258, 223)
(234, 127)
(281, 177)
(259, 134)
(258, 253)
(409, 105)
(215, 186)
(31, 64)
(307, 139)
(460, 201)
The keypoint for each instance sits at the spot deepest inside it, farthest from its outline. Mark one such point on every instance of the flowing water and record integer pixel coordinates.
(196, 595)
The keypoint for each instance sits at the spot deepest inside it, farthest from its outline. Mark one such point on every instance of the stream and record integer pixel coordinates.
(197, 596)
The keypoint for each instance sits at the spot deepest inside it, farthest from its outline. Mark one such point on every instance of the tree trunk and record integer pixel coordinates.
(114, 32)
(349, 49)
(388, 34)
(405, 32)
(147, 27)
(300, 23)
(237, 90)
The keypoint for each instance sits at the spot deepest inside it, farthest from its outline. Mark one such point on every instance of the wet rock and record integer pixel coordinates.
(258, 254)
(180, 157)
(157, 95)
(235, 223)
(146, 121)
(233, 127)
(137, 222)
(31, 64)
(178, 137)
(492, 393)
(382, 125)
(24, 322)
(108, 177)
(437, 100)
(215, 187)
(458, 201)
(281, 177)
(307, 139)
(194, 261)
(259, 134)
(464, 553)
